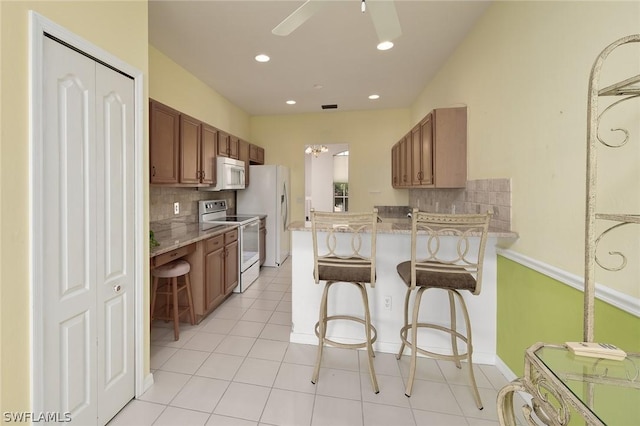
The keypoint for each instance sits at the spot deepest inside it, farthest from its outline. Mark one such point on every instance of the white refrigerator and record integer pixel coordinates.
(268, 193)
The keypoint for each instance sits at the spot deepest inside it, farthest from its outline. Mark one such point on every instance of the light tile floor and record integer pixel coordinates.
(237, 367)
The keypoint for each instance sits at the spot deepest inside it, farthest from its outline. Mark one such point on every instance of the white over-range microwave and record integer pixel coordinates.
(230, 175)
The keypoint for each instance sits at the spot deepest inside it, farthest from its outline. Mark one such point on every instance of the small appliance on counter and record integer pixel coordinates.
(268, 194)
(214, 213)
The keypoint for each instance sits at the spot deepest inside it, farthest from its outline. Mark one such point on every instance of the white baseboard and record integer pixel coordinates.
(614, 297)
(505, 370)
(148, 382)
(393, 348)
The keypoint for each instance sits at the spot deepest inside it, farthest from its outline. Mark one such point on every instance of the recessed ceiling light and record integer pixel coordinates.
(373, 97)
(385, 45)
(262, 58)
(291, 102)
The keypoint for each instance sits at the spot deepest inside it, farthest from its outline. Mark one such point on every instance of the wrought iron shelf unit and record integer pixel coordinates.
(559, 382)
(626, 89)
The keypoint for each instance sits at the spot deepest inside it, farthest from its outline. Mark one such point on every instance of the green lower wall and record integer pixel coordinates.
(533, 307)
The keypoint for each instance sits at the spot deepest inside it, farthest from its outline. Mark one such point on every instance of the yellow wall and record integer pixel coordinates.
(523, 72)
(119, 27)
(370, 135)
(172, 85)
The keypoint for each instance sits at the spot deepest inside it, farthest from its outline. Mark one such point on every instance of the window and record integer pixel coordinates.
(341, 182)
(340, 197)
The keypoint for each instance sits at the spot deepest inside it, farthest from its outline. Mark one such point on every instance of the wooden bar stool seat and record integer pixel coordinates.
(171, 289)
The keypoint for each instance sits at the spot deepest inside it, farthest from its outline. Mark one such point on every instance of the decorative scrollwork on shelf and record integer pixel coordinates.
(544, 407)
(624, 131)
(622, 257)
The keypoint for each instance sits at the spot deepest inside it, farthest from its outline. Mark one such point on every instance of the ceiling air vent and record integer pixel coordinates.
(330, 106)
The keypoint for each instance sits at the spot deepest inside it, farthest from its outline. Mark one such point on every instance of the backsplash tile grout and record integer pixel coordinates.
(479, 195)
(161, 201)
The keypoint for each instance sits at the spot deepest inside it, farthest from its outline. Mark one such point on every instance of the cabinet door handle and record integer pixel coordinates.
(153, 170)
(202, 174)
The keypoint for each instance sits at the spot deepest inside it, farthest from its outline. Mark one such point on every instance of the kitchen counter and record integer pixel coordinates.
(402, 226)
(393, 245)
(176, 233)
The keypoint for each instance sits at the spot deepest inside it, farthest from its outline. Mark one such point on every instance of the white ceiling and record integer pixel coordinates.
(336, 48)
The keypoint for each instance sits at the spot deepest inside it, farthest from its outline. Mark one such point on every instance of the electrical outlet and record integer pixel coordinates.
(176, 208)
(387, 303)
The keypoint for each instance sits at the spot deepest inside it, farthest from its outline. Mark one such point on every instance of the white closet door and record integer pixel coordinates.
(86, 192)
(115, 252)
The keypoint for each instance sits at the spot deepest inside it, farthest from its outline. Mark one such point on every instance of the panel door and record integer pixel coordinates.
(214, 278)
(114, 166)
(426, 150)
(208, 154)
(416, 156)
(164, 134)
(69, 234)
(231, 267)
(87, 249)
(189, 149)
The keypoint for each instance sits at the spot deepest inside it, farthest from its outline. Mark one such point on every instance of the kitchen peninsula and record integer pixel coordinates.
(393, 245)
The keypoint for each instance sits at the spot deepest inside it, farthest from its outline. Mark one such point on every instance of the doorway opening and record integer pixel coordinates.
(324, 190)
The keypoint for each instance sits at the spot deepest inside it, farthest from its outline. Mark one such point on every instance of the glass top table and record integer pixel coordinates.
(563, 385)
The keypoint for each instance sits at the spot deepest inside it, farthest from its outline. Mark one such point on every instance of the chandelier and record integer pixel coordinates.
(316, 149)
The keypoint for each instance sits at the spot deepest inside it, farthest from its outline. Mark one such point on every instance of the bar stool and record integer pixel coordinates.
(454, 267)
(171, 289)
(352, 263)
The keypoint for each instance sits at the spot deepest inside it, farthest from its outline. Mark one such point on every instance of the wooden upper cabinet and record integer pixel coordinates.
(164, 143)
(416, 156)
(209, 140)
(449, 147)
(425, 141)
(256, 154)
(183, 150)
(405, 161)
(395, 165)
(243, 154)
(234, 147)
(228, 145)
(190, 142)
(223, 144)
(434, 153)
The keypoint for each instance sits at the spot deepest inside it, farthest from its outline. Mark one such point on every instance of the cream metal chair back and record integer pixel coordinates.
(340, 255)
(427, 253)
(329, 255)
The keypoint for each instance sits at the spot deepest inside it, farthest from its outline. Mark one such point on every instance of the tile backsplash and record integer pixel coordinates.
(161, 201)
(478, 196)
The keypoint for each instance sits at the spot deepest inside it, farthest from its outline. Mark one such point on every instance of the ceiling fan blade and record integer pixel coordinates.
(297, 18)
(385, 19)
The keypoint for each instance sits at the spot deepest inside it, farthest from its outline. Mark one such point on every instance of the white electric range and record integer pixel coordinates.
(213, 213)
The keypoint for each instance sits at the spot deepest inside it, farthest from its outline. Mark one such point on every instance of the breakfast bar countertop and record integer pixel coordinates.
(393, 246)
(400, 226)
(175, 233)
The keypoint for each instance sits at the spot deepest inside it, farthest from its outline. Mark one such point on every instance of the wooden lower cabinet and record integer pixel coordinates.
(214, 271)
(231, 271)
